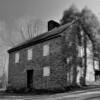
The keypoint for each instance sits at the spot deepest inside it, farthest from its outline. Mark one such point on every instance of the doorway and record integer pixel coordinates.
(30, 79)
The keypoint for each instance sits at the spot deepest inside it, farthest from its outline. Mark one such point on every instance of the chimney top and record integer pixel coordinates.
(52, 24)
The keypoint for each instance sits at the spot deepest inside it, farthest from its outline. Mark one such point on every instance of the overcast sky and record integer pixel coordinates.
(11, 10)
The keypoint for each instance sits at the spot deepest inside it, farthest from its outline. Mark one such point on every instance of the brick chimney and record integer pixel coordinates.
(52, 24)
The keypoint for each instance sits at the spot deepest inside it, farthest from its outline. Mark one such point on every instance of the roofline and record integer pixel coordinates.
(32, 43)
(35, 40)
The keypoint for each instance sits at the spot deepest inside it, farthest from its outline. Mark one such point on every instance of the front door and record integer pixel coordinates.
(29, 79)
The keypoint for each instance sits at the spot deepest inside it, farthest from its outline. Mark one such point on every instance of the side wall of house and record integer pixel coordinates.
(70, 54)
(18, 71)
(16, 74)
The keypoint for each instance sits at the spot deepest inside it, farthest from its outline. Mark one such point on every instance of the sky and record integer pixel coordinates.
(11, 10)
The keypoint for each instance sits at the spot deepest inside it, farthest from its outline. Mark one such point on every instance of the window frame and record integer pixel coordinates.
(46, 71)
(17, 57)
(29, 54)
(46, 50)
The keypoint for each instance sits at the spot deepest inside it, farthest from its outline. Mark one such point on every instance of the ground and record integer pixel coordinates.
(89, 94)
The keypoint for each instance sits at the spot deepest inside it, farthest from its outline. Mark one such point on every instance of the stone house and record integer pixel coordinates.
(48, 61)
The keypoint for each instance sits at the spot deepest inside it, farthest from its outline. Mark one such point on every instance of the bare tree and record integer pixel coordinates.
(5, 35)
(28, 28)
(23, 29)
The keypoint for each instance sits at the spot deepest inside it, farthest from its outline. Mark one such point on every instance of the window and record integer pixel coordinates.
(80, 51)
(29, 54)
(82, 33)
(71, 74)
(46, 50)
(46, 71)
(68, 78)
(70, 44)
(17, 58)
(69, 59)
(96, 64)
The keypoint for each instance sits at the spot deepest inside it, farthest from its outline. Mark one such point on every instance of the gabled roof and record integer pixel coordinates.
(43, 37)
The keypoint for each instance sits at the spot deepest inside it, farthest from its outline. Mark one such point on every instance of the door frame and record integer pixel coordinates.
(30, 73)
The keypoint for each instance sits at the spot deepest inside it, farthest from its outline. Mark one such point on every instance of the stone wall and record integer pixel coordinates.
(18, 71)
